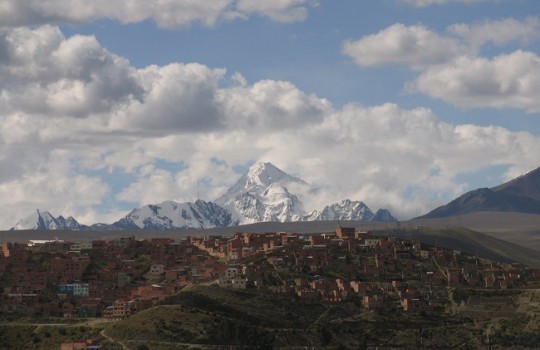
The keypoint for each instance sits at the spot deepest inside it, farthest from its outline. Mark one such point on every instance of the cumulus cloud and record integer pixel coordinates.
(178, 98)
(379, 153)
(425, 3)
(271, 104)
(277, 10)
(415, 46)
(178, 127)
(48, 183)
(419, 47)
(451, 66)
(166, 13)
(497, 32)
(511, 80)
(46, 73)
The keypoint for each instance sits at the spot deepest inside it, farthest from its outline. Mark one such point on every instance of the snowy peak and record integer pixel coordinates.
(71, 223)
(343, 210)
(266, 174)
(43, 220)
(349, 210)
(257, 179)
(266, 193)
(262, 194)
(171, 215)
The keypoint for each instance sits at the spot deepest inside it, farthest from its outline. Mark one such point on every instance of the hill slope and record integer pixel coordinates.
(521, 195)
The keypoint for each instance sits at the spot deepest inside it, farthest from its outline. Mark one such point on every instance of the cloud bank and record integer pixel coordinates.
(74, 114)
(452, 65)
(165, 13)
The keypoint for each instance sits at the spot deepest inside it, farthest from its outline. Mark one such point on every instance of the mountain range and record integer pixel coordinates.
(263, 194)
(520, 195)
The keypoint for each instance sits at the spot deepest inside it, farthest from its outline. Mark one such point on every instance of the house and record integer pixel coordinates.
(119, 310)
(82, 345)
(371, 302)
(81, 246)
(75, 289)
(345, 232)
(233, 278)
(415, 305)
(157, 269)
(308, 295)
(15, 252)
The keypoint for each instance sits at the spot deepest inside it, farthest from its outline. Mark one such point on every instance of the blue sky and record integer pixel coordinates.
(403, 104)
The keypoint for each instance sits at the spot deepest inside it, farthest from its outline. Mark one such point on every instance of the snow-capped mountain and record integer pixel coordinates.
(343, 210)
(349, 210)
(262, 194)
(43, 220)
(171, 215)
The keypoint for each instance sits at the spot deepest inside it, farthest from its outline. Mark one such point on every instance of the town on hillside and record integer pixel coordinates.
(114, 279)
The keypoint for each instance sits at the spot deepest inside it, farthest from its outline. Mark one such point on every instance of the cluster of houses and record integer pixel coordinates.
(113, 279)
(356, 267)
(117, 278)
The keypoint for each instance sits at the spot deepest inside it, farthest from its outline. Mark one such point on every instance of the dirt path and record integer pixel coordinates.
(113, 340)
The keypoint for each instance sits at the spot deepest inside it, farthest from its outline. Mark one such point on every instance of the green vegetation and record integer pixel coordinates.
(202, 316)
(20, 336)
(208, 315)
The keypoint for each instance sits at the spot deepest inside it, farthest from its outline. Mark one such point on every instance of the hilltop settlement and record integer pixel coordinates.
(362, 270)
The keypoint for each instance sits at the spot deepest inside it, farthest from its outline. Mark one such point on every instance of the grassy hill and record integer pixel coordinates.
(43, 337)
(207, 317)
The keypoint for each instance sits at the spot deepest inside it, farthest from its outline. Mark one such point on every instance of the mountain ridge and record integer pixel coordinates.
(520, 195)
(262, 194)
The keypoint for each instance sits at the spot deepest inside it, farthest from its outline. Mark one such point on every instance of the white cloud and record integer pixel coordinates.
(415, 46)
(172, 126)
(277, 10)
(177, 98)
(450, 64)
(46, 73)
(377, 154)
(272, 105)
(511, 80)
(49, 183)
(153, 186)
(166, 13)
(498, 32)
(424, 3)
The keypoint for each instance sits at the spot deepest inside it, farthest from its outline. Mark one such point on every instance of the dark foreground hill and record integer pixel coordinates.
(209, 317)
(521, 195)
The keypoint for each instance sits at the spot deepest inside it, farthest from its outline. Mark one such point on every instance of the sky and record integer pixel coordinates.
(403, 104)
